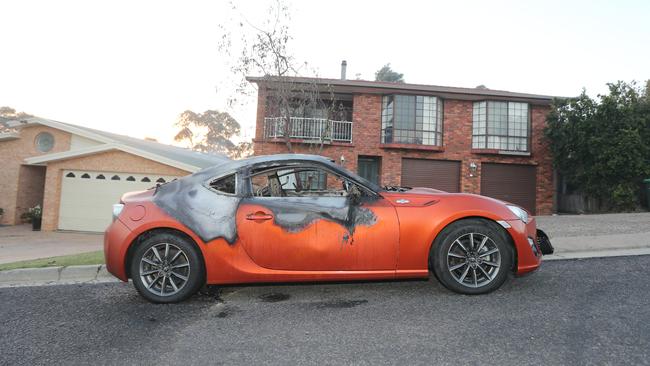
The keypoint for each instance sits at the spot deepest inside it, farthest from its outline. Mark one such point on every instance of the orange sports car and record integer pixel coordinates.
(286, 218)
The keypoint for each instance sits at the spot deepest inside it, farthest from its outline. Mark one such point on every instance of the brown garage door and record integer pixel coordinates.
(510, 182)
(438, 174)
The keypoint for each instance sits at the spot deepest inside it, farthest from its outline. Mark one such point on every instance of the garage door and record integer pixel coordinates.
(439, 174)
(87, 197)
(510, 182)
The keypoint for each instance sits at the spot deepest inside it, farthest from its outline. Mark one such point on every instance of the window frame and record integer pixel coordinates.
(507, 127)
(438, 123)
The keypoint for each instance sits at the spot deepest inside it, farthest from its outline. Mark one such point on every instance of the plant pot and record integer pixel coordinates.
(36, 224)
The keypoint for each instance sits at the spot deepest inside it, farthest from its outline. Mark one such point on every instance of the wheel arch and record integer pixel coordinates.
(490, 221)
(128, 258)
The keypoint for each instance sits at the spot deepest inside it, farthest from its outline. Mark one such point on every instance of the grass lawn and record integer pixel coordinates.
(64, 260)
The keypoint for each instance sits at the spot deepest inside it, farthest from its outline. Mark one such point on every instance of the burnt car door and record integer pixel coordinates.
(306, 218)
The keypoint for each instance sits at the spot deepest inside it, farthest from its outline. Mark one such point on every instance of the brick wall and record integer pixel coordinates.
(31, 181)
(12, 155)
(457, 142)
(111, 161)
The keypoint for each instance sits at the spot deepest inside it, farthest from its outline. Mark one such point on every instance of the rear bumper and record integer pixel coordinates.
(116, 239)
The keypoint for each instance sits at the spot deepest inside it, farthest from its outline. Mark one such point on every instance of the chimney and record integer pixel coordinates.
(344, 66)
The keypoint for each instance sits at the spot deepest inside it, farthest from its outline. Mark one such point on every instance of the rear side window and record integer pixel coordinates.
(224, 184)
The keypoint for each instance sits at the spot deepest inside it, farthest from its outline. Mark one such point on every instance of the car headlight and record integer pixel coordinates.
(519, 212)
(117, 210)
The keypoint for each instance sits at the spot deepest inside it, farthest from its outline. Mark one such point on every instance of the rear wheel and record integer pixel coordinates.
(472, 257)
(167, 268)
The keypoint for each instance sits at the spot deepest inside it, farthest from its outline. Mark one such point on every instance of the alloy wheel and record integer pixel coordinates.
(164, 269)
(474, 260)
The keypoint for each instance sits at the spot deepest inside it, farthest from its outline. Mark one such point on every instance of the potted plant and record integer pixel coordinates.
(34, 215)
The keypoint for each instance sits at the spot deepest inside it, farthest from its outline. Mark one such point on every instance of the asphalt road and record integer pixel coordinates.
(594, 311)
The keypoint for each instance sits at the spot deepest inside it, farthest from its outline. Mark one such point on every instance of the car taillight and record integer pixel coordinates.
(117, 210)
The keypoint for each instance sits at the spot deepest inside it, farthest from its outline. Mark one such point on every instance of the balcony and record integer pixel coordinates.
(309, 129)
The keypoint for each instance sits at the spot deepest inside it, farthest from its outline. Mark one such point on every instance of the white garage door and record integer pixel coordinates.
(87, 197)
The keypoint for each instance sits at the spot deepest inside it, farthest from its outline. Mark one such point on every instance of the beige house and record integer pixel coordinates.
(76, 173)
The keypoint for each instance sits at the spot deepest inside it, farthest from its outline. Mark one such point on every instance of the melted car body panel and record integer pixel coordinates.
(295, 213)
(211, 214)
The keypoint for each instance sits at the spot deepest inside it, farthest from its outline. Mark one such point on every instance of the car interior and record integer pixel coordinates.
(300, 181)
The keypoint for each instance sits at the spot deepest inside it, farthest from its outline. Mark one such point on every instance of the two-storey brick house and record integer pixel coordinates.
(473, 140)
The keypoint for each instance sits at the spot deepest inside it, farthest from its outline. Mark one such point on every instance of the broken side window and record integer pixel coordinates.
(224, 184)
(298, 181)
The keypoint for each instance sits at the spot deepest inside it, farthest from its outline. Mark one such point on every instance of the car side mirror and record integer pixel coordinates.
(355, 195)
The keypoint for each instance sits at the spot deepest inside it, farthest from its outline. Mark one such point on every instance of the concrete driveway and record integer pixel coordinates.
(578, 233)
(18, 243)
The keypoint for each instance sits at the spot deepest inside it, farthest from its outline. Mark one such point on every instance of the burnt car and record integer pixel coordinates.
(288, 218)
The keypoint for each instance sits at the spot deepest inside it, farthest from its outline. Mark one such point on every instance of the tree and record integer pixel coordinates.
(9, 114)
(387, 74)
(210, 132)
(266, 50)
(242, 150)
(601, 147)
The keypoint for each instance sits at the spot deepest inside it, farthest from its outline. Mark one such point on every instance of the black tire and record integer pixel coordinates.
(479, 275)
(189, 262)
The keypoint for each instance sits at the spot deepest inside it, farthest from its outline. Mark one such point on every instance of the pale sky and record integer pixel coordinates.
(132, 67)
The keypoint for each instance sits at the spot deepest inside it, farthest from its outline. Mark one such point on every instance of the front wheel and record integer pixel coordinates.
(472, 257)
(167, 268)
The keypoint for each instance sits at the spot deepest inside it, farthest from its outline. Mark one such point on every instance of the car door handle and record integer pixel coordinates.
(259, 216)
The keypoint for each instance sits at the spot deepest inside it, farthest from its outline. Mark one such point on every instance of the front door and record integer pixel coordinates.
(368, 167)
(306, 219)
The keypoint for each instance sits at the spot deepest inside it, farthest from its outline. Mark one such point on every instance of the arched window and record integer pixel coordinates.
(146, 179)
(70, 175)
(160, 180)
(101, 176)
(86, 176)
(116, 177)
(130, 179)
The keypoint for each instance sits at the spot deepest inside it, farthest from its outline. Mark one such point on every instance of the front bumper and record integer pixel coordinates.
(530, 244)
(544, 243)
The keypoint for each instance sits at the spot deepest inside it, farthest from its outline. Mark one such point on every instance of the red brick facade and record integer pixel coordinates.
(457, 145)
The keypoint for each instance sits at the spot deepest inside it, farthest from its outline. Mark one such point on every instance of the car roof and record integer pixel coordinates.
(280, 159)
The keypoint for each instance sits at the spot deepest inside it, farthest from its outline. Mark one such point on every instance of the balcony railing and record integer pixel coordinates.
(318, 129)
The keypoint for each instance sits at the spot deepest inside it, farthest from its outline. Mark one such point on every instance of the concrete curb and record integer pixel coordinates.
(94, 273)
(597, 254)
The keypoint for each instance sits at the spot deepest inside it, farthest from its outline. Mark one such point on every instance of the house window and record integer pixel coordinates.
(44, 142)
(411, 119)
(311, 180)
(500, 126)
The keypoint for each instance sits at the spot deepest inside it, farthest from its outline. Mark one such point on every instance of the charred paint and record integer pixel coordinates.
(294, 214)
(211, 214)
